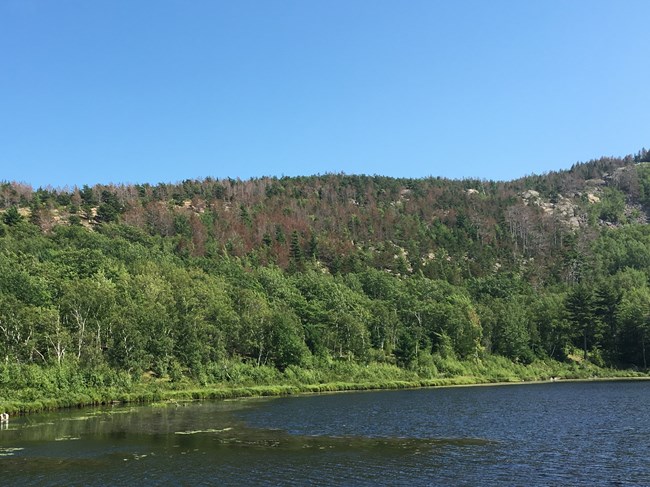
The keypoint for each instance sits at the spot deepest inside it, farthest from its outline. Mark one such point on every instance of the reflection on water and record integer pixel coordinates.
(582, 434)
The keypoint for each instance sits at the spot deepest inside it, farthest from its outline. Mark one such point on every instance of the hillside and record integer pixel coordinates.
(446, 229)
(201, 278)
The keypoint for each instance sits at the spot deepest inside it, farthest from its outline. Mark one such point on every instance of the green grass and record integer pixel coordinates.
(30, 389)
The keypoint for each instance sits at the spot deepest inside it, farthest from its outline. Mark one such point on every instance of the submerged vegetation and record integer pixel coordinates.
(284, 285)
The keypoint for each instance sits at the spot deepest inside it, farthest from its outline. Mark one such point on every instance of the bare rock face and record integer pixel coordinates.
(574, 222)
(566, 209)
(573, 207)
(530, 194)
(592, 198)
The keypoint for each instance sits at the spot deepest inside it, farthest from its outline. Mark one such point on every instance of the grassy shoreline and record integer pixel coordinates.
(161, 391)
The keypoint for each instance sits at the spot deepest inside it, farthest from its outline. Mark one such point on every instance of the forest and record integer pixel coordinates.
(324, 278)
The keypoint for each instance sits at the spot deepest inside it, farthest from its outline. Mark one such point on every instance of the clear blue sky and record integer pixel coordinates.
(131, 91)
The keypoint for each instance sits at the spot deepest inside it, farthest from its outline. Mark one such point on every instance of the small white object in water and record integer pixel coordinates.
(8, 452)
(4, 418)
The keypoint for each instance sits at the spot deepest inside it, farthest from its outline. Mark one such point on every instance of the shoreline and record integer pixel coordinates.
(171, 396)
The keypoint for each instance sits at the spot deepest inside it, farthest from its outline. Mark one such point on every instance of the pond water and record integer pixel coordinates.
(591, 433)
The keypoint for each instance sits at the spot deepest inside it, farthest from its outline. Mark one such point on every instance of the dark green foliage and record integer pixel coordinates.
(88, 196)
(581, 308)
(11, 216)
(109, 209)
(643, 172)
(508, 322)
(607, 300)
(74, 220)
(611, 206)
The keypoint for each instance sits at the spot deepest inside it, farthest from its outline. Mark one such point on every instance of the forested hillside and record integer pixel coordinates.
(199, 279)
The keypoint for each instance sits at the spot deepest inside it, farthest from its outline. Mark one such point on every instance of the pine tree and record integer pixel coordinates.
(12, 216)
(581, 308)
(296, 251)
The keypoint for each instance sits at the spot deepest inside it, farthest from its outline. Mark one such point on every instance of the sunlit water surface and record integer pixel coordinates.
(595, 433)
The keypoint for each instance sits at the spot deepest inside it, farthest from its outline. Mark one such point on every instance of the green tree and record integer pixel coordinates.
(635, 315)
(145, 329)
(286, 339)
(255, 329)
(12, 217)
(335, 317)
(205, 314)
(607, 299)
(581, 309)
(109, 209)
(295, 252)
(15, 332)
(508, 322)
(88, 310)
(549, 316)
(434, 311)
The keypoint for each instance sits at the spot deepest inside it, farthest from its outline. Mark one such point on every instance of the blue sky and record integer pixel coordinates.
(154, 91)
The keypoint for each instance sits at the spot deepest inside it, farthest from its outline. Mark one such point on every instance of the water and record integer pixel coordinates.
(595, 433)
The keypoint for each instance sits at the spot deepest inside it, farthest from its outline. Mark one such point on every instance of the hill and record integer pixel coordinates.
(206, 279)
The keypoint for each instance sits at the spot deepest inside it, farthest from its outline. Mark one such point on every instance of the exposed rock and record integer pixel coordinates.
(564, 208)
(530, 194)
(592, 198)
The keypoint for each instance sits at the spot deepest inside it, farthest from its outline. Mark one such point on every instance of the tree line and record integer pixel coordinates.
(182, 280)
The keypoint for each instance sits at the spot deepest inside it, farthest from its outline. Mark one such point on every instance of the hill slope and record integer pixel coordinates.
(201, 278)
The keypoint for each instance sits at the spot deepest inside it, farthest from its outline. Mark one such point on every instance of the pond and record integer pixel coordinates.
(578, 433)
